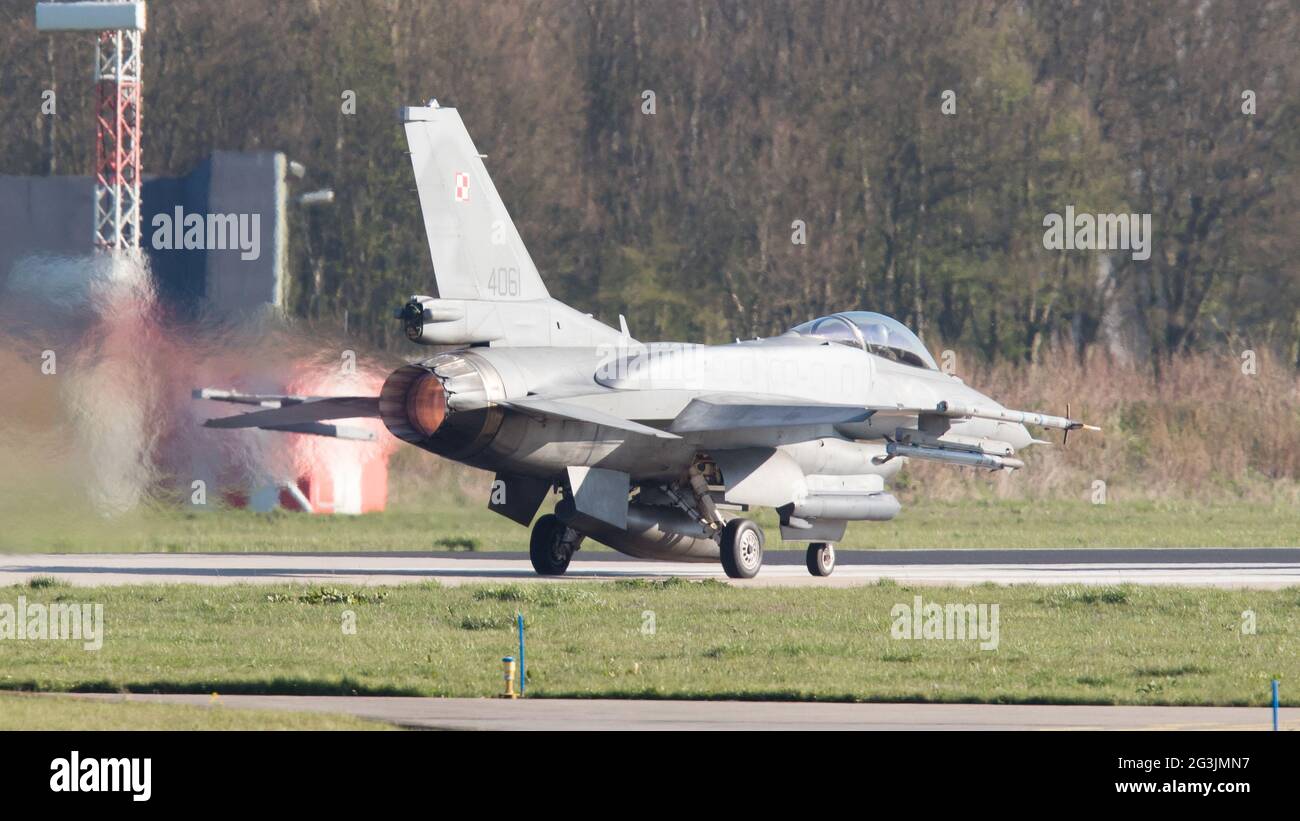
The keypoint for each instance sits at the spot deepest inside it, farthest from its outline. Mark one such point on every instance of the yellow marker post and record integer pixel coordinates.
(508, 664)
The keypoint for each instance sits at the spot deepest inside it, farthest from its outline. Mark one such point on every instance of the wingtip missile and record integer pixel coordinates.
(955, 410)
(1074, 425)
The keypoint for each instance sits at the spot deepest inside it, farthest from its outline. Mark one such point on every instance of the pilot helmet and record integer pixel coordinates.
(875, 335)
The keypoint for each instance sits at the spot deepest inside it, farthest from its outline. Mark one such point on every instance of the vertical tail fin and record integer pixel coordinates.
(476, 251)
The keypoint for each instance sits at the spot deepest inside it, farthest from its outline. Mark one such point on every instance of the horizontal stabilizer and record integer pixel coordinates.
(290, 410)
(564, 410)
(265, 400)
(721, 413)
(351, 432)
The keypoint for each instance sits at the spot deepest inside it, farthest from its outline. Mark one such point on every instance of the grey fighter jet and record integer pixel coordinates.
(657, 449)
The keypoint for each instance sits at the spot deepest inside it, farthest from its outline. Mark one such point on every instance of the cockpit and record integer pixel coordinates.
(872, 332)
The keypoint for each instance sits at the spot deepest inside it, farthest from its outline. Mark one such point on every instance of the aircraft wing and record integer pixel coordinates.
(733, 411)
(567, 410)
(290, 412)
(706, 413)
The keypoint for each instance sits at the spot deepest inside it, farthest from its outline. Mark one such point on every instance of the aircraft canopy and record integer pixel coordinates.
(872, 332)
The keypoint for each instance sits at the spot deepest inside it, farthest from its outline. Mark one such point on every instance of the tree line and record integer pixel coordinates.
(716, 169)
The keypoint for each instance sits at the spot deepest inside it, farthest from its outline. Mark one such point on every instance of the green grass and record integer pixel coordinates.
(31, 712)
(450, 524)
(1118, 645)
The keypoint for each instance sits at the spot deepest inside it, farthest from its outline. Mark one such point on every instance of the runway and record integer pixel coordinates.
(1255, 568)
(591, 714)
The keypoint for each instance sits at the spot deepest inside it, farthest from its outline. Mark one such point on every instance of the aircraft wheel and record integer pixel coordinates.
(742, 549)
(821, 558)
(551, 546)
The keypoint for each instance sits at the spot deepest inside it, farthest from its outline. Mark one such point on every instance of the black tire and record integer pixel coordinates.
(742, 549)
(821, 558)
(547, 549)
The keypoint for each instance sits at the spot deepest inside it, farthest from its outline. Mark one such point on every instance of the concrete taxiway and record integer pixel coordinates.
(590, 714)
(1257, 568)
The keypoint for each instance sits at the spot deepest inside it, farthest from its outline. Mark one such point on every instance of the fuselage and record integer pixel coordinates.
(654, 383)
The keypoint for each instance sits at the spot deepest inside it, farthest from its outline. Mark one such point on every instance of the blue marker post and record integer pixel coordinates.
(520, 617)
(1275, 705)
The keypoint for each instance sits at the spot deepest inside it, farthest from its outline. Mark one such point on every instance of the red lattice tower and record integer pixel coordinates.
(117, 25)
(117, 140)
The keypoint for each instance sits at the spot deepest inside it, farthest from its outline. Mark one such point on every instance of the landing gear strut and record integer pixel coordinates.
(552, 545)
(821, 558)
(742, 548)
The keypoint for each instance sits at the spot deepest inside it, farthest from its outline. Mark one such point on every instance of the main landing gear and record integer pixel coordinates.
(821, 558)
(552, 545)
(742, 548)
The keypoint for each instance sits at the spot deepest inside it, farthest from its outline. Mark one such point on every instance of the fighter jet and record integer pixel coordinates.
(657, 449)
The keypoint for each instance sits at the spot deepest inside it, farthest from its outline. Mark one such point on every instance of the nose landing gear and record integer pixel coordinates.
(821, 558)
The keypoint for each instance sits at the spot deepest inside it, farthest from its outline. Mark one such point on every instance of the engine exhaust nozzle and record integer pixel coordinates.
(426, 404)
